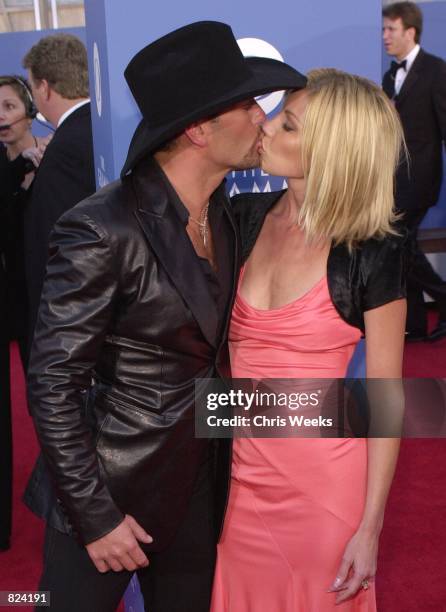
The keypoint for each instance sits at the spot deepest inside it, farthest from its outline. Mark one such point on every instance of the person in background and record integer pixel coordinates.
(58, 75)
(416, 82)
(20, 154)
(321, 266)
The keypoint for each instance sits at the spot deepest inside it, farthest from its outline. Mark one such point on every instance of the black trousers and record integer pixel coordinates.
(178, 579)
(421, 277)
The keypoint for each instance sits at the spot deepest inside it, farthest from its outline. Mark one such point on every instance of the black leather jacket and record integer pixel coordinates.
(372, 275)
(125, 302)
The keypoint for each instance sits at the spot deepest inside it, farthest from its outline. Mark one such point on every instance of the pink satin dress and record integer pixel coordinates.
(294, 502)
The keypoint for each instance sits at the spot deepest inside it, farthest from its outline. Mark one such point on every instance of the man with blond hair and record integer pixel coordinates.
(58, 74)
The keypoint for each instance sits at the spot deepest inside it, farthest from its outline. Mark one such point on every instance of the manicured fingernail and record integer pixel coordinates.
(335, 585)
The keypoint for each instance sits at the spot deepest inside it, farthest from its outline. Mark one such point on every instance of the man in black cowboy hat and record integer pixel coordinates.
(139, 288)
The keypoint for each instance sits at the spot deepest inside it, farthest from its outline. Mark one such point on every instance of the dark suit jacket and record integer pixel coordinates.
(64, 177)
(125, 301)
(421, 105)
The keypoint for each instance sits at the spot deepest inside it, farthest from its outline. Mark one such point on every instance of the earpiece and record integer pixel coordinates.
(31, 110)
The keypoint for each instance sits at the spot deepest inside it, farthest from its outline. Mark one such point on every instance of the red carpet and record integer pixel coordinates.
(413, 543)
(424, 359)
(20, 567)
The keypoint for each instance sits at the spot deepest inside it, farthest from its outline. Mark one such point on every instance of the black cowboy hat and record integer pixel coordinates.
(193, 73)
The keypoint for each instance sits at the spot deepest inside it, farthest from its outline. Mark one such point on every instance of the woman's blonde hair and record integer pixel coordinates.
(351, 143)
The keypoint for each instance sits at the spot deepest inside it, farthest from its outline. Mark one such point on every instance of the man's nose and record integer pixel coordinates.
(259, 115)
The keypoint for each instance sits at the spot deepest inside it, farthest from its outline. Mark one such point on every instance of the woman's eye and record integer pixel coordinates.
(287, 127)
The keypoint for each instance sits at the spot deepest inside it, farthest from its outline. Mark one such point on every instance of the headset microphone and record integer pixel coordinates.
(6, 126)
(31, 110)
(39, 118)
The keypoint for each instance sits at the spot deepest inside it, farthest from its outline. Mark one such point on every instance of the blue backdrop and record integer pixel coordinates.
(317, 33)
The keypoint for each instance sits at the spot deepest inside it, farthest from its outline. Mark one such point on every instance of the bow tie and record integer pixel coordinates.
(394, 67)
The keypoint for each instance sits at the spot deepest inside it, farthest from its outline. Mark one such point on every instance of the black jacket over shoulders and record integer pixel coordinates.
(124, 302)
(421, 105)
(371, 276)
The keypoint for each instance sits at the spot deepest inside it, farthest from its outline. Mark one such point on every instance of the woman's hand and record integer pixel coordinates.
(35, 154)
(43, 141)
(358, 564)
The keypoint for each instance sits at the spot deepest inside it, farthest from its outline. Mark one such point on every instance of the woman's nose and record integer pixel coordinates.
(268, 128)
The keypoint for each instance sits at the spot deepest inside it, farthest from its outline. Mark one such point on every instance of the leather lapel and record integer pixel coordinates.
(234, 262)
(411, 79)
(223, 257)
(167, 237)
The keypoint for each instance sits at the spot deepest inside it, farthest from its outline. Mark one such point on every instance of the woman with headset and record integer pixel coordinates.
(20, 154)
(21, 151)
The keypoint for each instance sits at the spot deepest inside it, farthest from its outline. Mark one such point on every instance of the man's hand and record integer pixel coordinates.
(119, 549)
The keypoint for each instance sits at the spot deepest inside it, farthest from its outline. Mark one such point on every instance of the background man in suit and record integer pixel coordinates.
(416, 82)
(58, 74)
(138, 294)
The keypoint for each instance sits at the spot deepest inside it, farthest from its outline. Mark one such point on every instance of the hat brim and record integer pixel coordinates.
(267, 75)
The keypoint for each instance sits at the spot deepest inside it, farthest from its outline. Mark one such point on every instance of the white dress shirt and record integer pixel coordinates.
(71, 110)
(401, 73)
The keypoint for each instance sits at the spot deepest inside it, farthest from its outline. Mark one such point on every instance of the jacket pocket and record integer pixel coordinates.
(127, 440)
(121, 420)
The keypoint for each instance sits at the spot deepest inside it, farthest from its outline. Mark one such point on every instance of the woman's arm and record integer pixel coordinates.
(384, 355)
(384, 358)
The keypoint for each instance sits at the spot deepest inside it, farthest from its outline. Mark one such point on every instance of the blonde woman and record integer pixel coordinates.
(322, 265)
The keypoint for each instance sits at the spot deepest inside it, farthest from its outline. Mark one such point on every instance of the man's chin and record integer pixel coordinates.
(253, 161)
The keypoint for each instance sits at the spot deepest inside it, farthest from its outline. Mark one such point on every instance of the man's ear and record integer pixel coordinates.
(413, 33)
(45, 89)
(197, 133)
